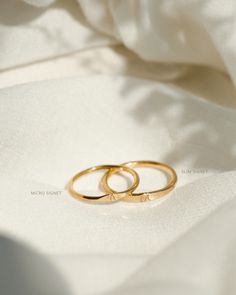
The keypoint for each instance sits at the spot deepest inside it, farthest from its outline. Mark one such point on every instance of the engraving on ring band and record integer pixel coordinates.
(127, 195)
(145, 196)
(109, 196)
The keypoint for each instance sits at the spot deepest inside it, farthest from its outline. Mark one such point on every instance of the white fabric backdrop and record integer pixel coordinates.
(183, 244)
(196, 32)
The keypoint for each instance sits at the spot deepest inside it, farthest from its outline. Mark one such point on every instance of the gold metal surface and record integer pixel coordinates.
(111, 196)
(144, 196)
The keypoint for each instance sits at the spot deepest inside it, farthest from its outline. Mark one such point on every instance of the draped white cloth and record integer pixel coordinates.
(106, 106)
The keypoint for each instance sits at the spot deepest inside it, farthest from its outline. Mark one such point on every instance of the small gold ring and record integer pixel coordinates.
(110, 196)
(144, 196)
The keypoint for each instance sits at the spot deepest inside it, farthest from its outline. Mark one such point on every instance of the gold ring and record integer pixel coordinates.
(110, 196)
(144, 196)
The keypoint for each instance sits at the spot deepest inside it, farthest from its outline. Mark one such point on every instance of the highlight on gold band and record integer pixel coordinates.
(127, 195)
(110, 196)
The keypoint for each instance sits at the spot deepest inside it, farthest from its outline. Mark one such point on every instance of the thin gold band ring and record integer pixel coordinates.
(144, 196)
(110, 196)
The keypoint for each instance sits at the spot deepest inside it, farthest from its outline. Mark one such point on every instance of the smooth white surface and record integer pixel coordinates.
(183, 244)
(114, 119)
(42, 156)
(62, 225)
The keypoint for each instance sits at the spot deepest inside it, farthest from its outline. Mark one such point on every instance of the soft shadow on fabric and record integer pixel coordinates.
(24, 272)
